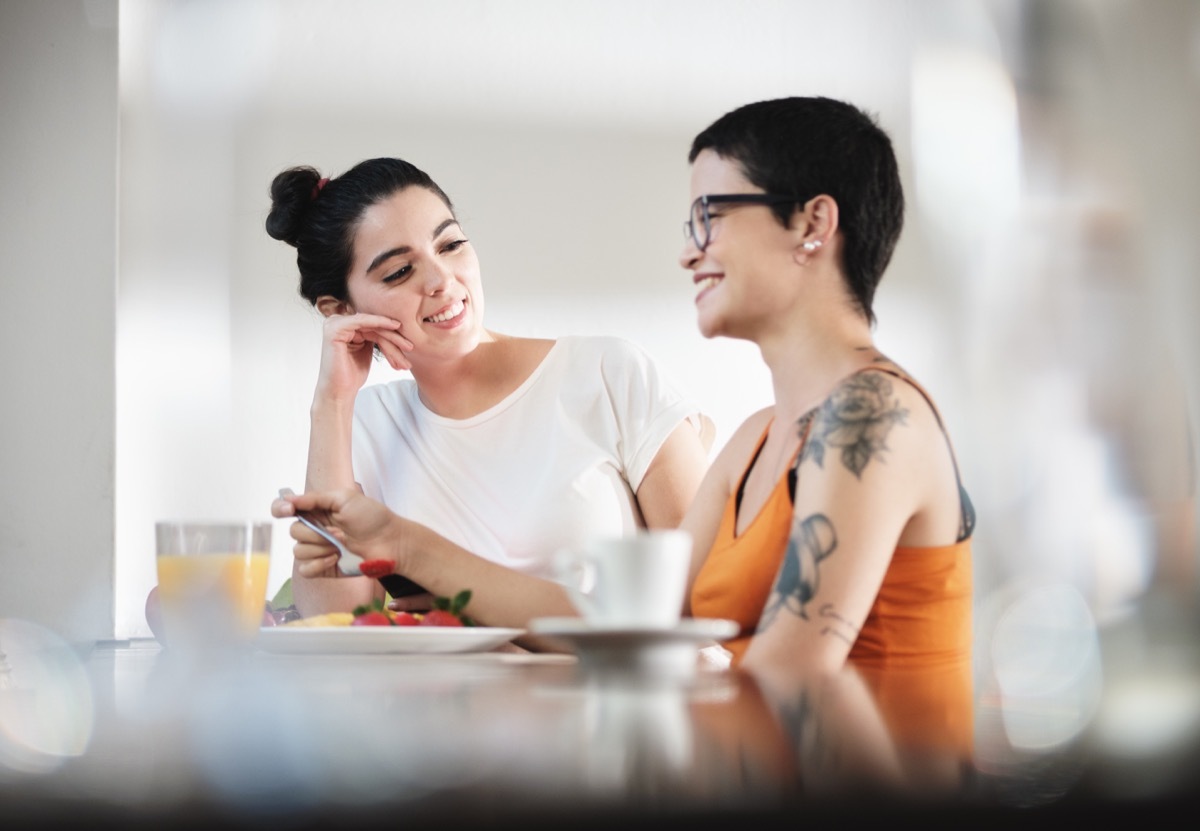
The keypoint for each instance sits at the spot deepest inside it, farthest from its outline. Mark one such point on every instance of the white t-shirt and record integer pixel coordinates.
(555, 462)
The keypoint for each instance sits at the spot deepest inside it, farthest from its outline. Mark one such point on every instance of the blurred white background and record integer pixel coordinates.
(561, 132)
(1043, 289)
(1031, 290)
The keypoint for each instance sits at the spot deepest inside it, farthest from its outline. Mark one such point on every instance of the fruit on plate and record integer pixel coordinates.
(449, 611)
(373, 615)
(441, 617)
(446, 611)
(327, 619)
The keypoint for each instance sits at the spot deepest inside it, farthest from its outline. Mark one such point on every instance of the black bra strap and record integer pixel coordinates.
(737, 502)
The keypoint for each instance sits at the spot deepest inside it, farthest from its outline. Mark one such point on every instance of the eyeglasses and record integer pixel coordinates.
(699, 225)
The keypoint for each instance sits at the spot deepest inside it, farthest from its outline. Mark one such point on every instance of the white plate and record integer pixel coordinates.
(382, 639)
(673, 651)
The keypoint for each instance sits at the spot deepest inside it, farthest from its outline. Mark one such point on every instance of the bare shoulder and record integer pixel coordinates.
(868, 416)
(750, 431)
(720, 480)
(907, 393)
(732, 458)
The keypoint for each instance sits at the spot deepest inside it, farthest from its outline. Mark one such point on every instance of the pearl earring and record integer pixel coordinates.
(811, 245)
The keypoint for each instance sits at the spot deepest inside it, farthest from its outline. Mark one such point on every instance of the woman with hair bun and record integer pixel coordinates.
(498, 449)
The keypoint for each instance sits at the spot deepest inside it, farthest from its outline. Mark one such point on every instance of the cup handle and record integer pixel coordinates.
(576, 571)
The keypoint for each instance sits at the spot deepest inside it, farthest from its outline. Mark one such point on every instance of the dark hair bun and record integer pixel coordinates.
(291, 196)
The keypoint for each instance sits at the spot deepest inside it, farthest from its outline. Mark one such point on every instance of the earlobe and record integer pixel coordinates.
(821, 214)
(804, 252)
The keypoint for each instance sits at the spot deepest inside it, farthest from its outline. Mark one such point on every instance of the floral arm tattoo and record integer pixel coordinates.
(856, 420)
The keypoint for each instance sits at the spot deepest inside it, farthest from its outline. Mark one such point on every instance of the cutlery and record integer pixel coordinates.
(350, 563)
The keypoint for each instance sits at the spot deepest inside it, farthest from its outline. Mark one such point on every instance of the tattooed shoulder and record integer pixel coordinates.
(854, 422)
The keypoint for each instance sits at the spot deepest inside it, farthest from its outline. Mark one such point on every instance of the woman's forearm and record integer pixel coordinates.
(330, 467)
(500, 596)
(330, 463)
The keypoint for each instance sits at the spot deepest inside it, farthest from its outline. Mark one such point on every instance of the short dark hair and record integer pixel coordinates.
(319, 218)
(811, 146)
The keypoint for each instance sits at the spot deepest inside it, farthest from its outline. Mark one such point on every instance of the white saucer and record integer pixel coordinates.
(693, 630)
(642, 650)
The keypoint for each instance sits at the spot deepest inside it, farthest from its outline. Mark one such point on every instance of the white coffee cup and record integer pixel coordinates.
(635, 581)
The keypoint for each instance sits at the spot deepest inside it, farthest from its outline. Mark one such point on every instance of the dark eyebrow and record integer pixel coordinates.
(404, 249)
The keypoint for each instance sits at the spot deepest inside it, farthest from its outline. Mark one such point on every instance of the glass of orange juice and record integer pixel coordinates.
(212, 581)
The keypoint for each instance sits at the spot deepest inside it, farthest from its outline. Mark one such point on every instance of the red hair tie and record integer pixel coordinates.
(320, 184)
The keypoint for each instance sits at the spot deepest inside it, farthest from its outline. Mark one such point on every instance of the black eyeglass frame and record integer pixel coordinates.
(689, 227)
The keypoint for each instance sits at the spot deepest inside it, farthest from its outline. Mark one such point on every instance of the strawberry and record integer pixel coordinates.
(449, 612)
(372, 615)
(440, 617)
(406, 619)
(373, 619)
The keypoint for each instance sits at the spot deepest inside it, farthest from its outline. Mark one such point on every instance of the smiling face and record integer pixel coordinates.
(739, 275)
(413, 263)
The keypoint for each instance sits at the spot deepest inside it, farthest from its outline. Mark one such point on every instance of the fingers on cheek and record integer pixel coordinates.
(398, 341)
(395, 357)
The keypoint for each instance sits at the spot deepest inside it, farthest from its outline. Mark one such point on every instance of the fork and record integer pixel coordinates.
(350, 563)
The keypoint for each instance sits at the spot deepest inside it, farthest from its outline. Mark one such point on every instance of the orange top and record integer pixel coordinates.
(920, 620)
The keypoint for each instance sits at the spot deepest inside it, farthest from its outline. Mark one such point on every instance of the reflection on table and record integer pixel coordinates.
(123, 733)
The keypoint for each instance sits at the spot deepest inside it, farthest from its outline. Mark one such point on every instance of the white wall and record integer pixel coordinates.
(58, 235)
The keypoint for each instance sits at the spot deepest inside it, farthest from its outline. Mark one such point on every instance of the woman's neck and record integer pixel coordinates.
(468, 385)
(807, 364)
